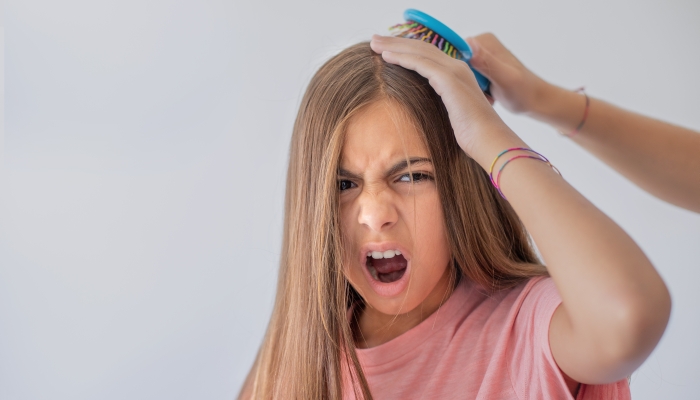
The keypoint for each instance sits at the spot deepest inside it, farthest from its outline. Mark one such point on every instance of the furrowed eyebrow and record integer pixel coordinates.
(347, 174)
(399, 166)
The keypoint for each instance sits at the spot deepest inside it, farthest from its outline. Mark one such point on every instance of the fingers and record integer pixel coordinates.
(426, 67)
(420, 55)
(404, 45)
(490, 56)
(482, 59)
(489, 42)
(512, 84)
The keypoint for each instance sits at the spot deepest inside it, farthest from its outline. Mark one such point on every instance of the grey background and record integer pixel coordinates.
(144, 158)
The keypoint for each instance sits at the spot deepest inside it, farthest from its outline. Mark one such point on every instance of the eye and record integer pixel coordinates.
(345, 185)
(417, 177)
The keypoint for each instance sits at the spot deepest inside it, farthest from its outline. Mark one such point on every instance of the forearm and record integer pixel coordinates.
(616, 302)
(661, 158)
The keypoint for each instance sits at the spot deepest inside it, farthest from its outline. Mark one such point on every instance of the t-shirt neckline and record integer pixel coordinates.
(409, 341)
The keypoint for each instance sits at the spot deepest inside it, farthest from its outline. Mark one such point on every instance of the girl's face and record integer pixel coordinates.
(396, 247)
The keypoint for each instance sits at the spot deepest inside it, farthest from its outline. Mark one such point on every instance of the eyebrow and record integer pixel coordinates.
(399, 166)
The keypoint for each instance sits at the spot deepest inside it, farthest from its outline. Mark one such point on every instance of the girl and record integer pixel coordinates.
(407, 272)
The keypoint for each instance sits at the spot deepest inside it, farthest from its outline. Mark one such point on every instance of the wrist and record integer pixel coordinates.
(545, 105)
(491, 139)
(559, 107)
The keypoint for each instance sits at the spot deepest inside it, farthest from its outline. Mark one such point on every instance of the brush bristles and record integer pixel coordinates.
(414, 30)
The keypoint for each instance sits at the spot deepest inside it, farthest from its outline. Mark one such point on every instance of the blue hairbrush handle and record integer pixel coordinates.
(449, 35)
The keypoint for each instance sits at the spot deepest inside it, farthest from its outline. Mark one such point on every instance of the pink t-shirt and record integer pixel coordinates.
(478, 346)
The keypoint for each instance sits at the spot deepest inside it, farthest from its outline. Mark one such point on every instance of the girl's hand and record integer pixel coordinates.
(512, 84)
(474, 121)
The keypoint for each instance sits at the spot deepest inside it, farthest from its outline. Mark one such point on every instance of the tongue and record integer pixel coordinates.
(389, 265)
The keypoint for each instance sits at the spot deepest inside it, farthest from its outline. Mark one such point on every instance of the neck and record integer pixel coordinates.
(375, 328)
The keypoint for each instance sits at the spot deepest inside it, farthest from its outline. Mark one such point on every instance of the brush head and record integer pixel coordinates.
(421, 26)
(414, 30)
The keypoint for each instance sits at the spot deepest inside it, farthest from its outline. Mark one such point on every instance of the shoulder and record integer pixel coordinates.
(539, 297)
(532, 311)
(533, 371)
(534, 299)
(519, 316)
(531, 366)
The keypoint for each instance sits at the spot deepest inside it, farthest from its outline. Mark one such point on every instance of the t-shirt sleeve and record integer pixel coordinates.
(534, 373)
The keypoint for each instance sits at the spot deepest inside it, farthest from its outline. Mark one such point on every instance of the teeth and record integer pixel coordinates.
(378, 255)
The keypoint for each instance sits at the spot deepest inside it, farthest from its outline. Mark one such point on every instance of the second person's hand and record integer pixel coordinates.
(512, 84)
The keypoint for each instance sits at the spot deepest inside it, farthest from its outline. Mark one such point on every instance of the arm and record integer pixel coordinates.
(659, 157)
(615, 305)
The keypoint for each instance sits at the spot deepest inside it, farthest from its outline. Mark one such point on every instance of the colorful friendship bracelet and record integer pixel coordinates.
(498, 176)
(585, 113)
(508, 151)
(497, 182)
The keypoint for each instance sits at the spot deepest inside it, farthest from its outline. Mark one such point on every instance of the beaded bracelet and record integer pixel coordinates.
(585, 113)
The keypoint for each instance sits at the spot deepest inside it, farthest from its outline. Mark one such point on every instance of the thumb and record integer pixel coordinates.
(485, 60)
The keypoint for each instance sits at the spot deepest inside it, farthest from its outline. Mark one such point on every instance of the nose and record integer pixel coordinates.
(377, 210)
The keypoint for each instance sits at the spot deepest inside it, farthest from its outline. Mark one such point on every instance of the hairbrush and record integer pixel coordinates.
(422, 26)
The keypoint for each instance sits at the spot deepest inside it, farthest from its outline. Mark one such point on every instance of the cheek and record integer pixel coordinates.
(349, 243)
(431, 243)
(347, 234)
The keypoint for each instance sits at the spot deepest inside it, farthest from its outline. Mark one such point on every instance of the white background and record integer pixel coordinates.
(144, 159)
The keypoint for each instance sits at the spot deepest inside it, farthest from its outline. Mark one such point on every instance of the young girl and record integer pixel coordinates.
(407, 273)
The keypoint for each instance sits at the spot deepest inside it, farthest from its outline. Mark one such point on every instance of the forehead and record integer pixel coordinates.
(379, 134)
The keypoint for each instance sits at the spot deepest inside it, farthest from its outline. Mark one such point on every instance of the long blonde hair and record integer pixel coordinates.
(309, 340)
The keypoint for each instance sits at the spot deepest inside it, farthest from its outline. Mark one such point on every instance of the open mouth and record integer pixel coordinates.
(387, 266)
